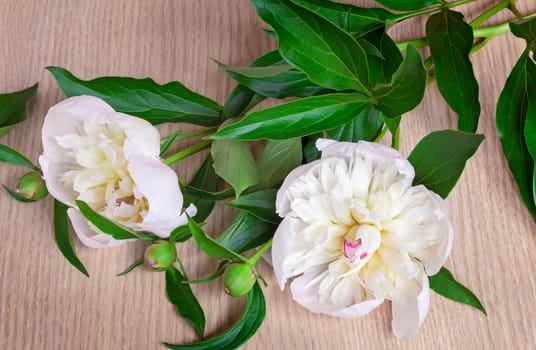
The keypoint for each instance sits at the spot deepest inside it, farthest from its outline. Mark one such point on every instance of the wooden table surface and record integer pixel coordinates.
(46, 304)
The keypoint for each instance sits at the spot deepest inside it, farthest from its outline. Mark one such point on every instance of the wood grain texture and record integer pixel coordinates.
(46, 304)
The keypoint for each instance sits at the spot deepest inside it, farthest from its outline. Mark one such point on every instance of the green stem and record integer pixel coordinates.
(480, 45)
(512, 7)
(419, 42)
(428, 63)
(490, 13)
(381, 135)
(253, 259)
(196, 133)
(187, 152)
(433, 9)
(491, 31)
(484, 33)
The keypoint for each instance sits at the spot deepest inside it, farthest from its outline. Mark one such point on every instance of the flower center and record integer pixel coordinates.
(360, 243)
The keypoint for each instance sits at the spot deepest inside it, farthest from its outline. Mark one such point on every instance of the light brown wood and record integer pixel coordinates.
(46, 304)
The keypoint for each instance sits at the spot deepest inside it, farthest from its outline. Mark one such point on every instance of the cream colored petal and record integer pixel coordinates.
(410, 307)
(437, 254)
(159, 184)
(400, 262)
(315, 208)
(284, 243)
(51, 174)
(282, 203)
(371, 150)
(305, 292)
(378, 278)
(87, 235)
(66, 117)
(142, 137)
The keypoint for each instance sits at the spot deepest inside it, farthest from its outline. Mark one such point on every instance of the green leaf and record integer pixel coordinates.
(63, 236)
(356, 20)
(241, 100)
(109, 227)
(253, 90)
(365, 126)
(210, 246)
(132, 267)
(444, 283)
(169, 103)
(451, 41)
(393, 124)
(286, 84)
(213, 196)
(13, 108)
(278, 158)
(526, 30)
(530, 137)
(329, 56)
(244, 329)
(180, 294)
(168, 141)
(246, 232)
(234, 163)
(257, 72)
(382, 69)
(205, 178)
(180, 234)
(10, 156)
(211, 277)
(370, 49)
(511, 117)
(439, 159)
(17, 196)
(260, 204)
(297, 118)
(408, 5)
(407, 87)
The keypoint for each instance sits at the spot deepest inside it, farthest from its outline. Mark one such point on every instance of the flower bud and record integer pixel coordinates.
(160, 255)
(32, 186)
(238, 279)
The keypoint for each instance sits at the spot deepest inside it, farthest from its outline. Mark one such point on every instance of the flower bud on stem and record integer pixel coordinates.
(239, 278)
(32, 186)
(160, 255)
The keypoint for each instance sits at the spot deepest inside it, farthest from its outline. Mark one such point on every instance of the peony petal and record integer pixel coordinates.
(159, 184)
(66, 117)
(305, 292)
(87, 235)
(370, 150)
(438, 254)
(410, 308)
(284, 242)
(400, 262)
(191, 210)
(51, 174)
(282, 204)
(142, 137)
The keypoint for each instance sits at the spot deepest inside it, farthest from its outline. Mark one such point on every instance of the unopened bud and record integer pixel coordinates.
(32, 186)
(160, 255)
(238, 279)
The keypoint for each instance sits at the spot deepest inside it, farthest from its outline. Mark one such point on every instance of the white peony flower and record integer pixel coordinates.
(357, 232)
(109, 160)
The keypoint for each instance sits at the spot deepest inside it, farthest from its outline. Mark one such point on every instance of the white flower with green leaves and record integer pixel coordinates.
(111, 161)
(356, 232)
